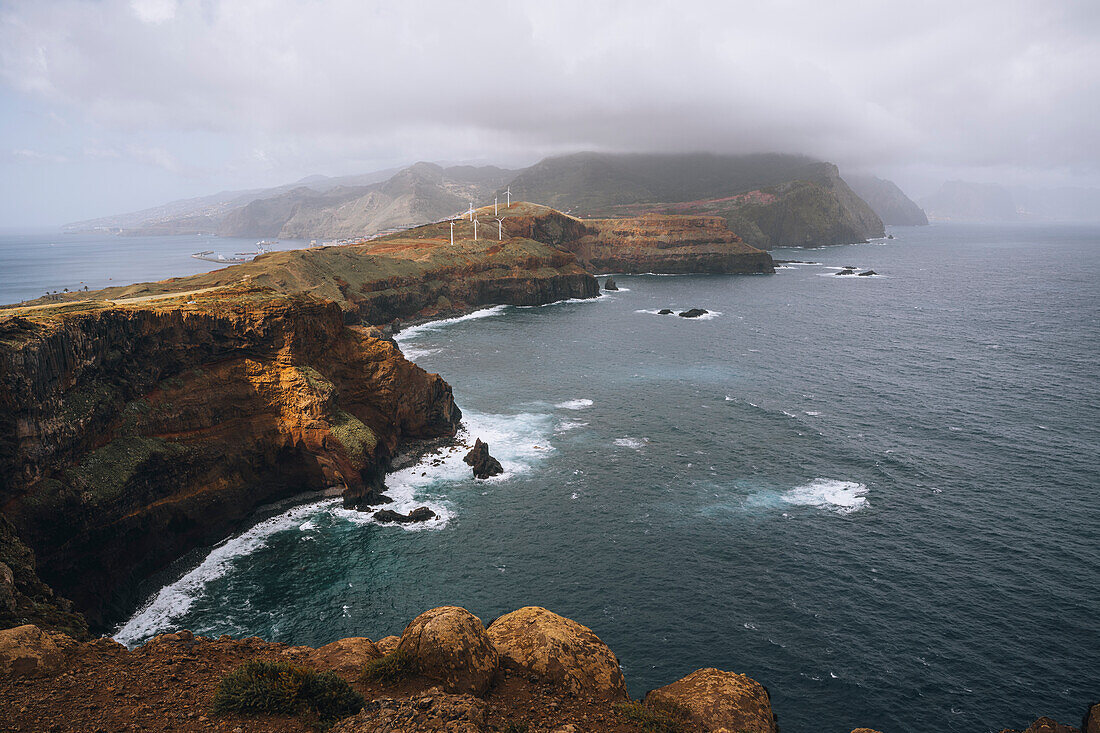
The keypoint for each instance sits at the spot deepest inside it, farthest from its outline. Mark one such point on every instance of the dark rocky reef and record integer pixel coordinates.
(420, 514)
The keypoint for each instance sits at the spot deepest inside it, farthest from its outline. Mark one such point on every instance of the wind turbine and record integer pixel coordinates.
(452, 232)
(471, 211)
(508, 193)
(500, 230)
(495, 199)
(475, 229)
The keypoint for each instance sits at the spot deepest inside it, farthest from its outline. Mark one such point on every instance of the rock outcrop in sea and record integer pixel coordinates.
(483, 464)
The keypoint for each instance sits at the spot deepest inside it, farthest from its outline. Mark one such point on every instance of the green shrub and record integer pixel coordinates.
(660, 717)
(281, 688)
(394, 667)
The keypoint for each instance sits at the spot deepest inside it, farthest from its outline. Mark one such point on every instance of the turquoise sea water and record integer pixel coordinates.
(878, 496)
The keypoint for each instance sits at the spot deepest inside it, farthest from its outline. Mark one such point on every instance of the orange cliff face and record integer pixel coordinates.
(134, 434)
(658, 243)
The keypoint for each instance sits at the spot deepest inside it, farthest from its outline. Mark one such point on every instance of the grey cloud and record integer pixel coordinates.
(987, 84)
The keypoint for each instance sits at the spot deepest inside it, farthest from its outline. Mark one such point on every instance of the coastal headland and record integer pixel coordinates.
(146, 420)
(140, 422)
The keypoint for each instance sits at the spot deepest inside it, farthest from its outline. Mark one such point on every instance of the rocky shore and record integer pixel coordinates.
(529, 670)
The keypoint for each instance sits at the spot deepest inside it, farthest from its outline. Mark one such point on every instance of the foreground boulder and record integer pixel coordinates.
(609, 284)
(1091, 723)
(449, 644)
(346, 656)
(420, 514)
(719, 702)
(484, 464)
(692, 313)
(28, 651)
(387, 644)
(432, 711)
(558, 650)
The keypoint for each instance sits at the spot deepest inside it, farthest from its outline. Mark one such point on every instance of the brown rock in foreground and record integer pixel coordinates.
(387, 644)
(27, 651)
(449, 644)
(558, 650)
(345, 656)
(719, 702)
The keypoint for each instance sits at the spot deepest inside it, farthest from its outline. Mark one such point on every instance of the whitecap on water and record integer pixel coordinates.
(577, 404)
(841, 497)
(635, 443)
(414, 331)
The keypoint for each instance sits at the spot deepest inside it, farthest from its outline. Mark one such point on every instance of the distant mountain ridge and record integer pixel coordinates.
(769, 200)
(887, 200)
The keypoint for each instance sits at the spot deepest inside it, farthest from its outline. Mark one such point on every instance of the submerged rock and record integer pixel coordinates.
(609, 284)
(420, 514)
(846, 271)
(484, 465)
(693, 313)
(718, 700)
(665, 312)
(449, 644)
(868, 273)
(558, 650)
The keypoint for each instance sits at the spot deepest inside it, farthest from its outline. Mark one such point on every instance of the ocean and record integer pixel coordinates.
(35, 263)
(878, 496)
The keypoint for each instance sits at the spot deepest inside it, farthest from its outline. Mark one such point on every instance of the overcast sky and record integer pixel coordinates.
(114, 105)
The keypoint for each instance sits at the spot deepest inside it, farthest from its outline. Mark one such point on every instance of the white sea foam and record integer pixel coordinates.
(578, 404)
(414, 331)
(812, 413)
(635, 443)
(730, 399)
(518, 441)
(175, 599)
(567, 425)
(843, 497)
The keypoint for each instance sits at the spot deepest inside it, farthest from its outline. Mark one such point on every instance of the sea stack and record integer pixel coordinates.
(484, 465)
(609, 284)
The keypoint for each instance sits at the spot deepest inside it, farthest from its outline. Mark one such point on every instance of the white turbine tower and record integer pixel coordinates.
(475, 229)
(500, 230)
(452, 232)
(508, 193)
(495, 199)
(471, 211)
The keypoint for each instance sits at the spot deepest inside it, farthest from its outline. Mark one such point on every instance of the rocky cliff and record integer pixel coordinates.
(142, 431)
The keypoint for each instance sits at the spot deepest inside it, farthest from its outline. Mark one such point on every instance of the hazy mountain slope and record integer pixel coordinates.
(887, 200)
(205, 213)
(769, 200)
(419, 194)
(966, 201)
(266, 217)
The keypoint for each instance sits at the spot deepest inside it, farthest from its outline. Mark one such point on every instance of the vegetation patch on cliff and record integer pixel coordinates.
(106, 472)
(260, 687)
(358, 440)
